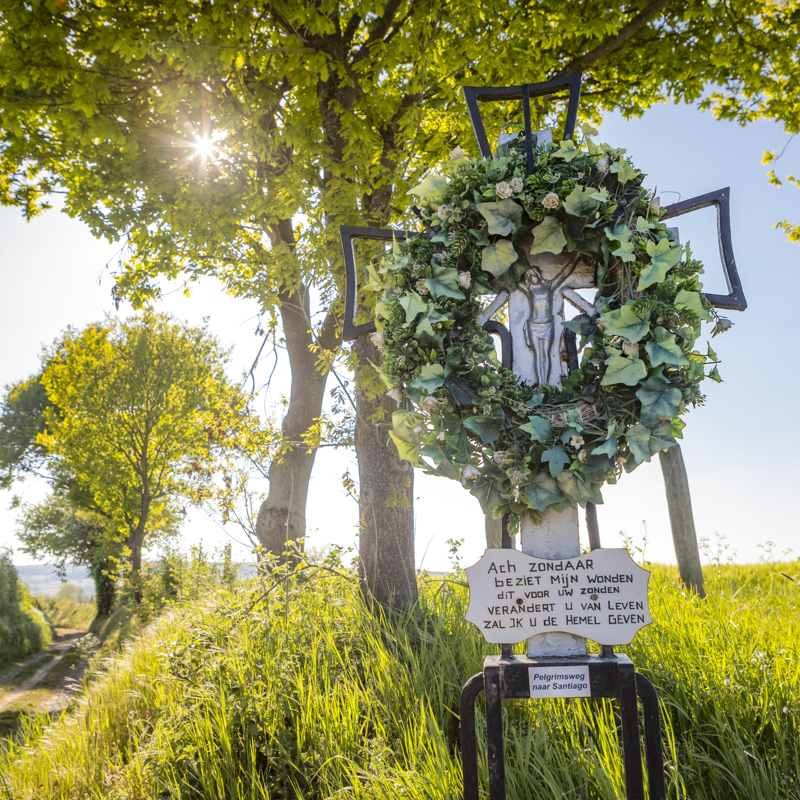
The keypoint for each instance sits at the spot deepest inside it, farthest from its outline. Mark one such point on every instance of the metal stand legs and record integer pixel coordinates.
(507, 678)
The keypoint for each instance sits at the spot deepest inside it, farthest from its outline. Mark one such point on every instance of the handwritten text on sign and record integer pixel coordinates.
(601, 595)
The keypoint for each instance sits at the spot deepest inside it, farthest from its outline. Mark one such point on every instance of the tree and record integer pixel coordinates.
(234, 138)
(135, 410)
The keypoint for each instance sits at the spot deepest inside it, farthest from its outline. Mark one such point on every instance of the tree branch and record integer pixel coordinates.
(379, 29)
(613, 42)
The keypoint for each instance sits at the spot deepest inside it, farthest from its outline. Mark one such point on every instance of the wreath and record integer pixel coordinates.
(525, 448)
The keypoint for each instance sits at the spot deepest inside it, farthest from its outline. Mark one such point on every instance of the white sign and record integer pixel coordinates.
(601, 596)
(559, 681)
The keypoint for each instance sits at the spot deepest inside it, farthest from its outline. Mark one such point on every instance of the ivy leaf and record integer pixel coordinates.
(624, 171)
(498, 257)
(620, 233)
(608, 448)
(601, 194)
(384, 376)
(425, 332)
(661, 437)
(412, 304)
(406, 450)
(488, 428)
(548, 237)
(577, 489)
(691, 302)
(431, 188)
(538, 428)
(663, 257)
(444, 283)
(659, 399)
(567, 151)
(665, 350)
(430, 379)
(503, 217)
(543, 492)
(580, 202)
(622, 369)
(485, 489)
(625, 322)
(639, 443)
(625, 252)
(715, 376)
(557, 458)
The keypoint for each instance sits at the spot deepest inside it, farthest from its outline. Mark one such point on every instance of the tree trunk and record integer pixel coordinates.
(105, 586)
(134, 544)
(282, 516)
(386, 508)
(681, 518)
(494, 531)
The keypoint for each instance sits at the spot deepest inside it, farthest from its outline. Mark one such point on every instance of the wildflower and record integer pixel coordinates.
(655, 205)
(443, 212)
(550, 200)
(503, 190)
(421, 287)
(630, 347)
(464, 280)
(602, 165)
(500, 457)
(395, 394)
(418, 429)
(577, 442)
(377, 339)
(469, 473)
(516, 185)
(429, 403)
(785, 709)
(726, 682)
(456, 152)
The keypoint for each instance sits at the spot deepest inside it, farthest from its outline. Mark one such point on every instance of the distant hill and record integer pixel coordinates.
(42, 578)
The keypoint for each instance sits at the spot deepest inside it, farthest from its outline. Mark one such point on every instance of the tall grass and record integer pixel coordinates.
(296, 690)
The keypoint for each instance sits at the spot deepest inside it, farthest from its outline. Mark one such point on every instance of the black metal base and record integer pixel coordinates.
(609, 676)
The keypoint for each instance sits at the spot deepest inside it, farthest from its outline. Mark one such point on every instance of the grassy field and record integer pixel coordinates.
(294, 689)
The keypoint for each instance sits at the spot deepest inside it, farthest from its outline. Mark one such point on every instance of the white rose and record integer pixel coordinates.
(464, 280)
(602, 165)
(655, 205)
(456, 152)
(421, 287)
(630, 347)
(550, 200)
(377, 339)
(395, 394)
(469, 473)
(443, 212)
(577, 442)
(516, 185)
(500, 457)
(503, 190)
(722, 324)
(429, 403)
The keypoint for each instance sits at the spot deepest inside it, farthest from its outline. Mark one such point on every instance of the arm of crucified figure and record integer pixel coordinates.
(565, 273)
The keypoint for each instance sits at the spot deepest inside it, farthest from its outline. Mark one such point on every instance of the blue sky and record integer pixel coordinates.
(741, 448)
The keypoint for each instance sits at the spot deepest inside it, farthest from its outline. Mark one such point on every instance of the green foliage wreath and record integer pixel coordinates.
(521, 449)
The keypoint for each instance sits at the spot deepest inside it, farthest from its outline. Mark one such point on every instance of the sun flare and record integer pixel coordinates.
(204, 148)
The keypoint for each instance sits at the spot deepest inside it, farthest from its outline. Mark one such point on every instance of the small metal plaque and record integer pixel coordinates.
(559, 682)
(601, 596)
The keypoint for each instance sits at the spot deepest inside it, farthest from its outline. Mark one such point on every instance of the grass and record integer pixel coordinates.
(303, 693)
(69, 614)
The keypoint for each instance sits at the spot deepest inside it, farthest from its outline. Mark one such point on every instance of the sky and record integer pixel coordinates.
(740, 448)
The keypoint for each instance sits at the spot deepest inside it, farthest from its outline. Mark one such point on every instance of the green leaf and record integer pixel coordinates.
(557, 458)
(548, 237)
(426, 333)
(485, 489)
(663, 257)
(665, 350)
(538, 428)
(625, 322)
(608, 448)
(639, 443)
(488, 428)
(412, 304)
(659, 399)
(622, 369)
(567, 151)
(431, 188)
(661, 436)
(620, 233)
(580, 202)
(624, 171)
(430, 379)
(577, 489)
(444, 283)
(387, 380)
(543, 492)
(498, 257)
(503, 217)
(692, 302)
(625, 252)
(715, 376)
(406, 451)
